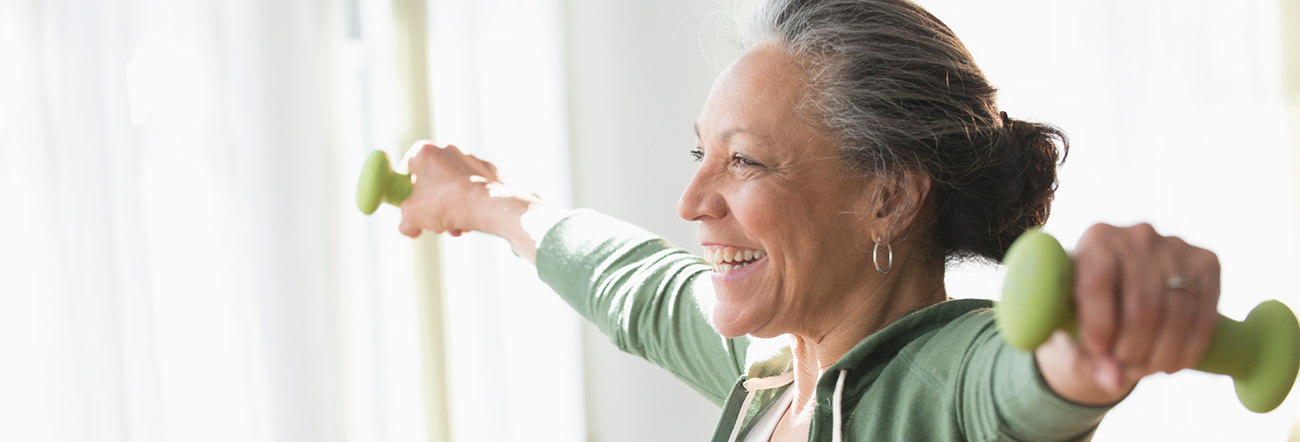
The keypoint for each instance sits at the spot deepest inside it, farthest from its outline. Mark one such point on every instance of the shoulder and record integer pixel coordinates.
(941, 355)
(921, 372)
(955, 322)
(970, 324)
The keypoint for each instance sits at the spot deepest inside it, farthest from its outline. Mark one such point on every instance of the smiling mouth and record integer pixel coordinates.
(726, 259)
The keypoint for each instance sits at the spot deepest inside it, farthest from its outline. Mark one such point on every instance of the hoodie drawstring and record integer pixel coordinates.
(740, 420)
(836, 415)
(753, 385)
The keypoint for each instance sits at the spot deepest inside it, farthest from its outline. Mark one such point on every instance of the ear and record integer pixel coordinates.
(898, 199)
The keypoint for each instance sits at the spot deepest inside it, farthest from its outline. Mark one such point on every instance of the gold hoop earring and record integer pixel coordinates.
(875, 257)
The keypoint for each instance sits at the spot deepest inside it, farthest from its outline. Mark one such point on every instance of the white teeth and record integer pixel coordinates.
(738, 258)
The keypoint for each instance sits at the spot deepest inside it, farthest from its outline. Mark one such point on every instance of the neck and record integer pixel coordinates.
(868, 311)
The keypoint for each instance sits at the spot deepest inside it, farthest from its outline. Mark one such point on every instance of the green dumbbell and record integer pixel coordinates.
(379, 183)
(1262, 353)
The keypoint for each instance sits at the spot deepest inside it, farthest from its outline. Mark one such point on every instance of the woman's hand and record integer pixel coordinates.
(456, 192)
(1146, 303)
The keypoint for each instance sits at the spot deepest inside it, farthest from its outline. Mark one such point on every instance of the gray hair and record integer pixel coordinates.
(897, 90)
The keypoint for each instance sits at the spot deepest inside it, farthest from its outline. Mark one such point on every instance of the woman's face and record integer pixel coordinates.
(784, 222)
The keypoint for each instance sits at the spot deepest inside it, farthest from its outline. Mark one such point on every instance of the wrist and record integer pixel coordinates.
(499, 215)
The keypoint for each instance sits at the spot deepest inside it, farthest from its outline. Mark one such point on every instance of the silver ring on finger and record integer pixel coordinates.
(1181, 281)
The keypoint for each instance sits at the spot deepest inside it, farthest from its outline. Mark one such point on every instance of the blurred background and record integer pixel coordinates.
(181, 258)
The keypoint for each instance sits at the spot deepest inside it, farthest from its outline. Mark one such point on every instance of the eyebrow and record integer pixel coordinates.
(729, 132)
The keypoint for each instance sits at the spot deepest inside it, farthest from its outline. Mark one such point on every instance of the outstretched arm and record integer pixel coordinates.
(635, 287)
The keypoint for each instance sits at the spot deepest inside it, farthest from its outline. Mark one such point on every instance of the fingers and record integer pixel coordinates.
(1168, 353)
(1100, 270)
(449, 190)
(1073, 373)
(416, 219)
(1183, 312)
(409, 229)
(1129, 321)
(1142, 309)
(1203, 265)
(1096, 291)
(1110, 375)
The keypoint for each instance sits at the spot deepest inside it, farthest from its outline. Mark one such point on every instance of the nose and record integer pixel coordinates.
(701, 198)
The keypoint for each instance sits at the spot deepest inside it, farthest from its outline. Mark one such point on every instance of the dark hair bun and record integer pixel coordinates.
(898, 90)
(1005, 193)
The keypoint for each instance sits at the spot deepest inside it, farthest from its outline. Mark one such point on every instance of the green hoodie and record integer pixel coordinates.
(940, 373)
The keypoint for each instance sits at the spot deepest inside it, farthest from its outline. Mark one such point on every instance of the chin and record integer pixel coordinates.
(735, 321)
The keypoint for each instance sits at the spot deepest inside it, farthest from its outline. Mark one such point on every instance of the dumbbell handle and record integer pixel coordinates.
(379, 183)
(1262, 353)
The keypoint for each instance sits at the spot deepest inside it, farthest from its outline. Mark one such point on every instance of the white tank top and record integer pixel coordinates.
(766, 425)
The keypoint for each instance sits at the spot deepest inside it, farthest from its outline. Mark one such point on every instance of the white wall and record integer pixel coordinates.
(638, 78)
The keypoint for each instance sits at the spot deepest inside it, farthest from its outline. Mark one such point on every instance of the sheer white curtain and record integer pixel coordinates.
(1175, 114)
(180, 258)
(514, 348)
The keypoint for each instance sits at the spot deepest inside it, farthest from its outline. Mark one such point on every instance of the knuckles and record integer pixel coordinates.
(1144, 237)
(1139, 241)
(414, 158)
(1096, 232)
(1096, 280)
(1205, 261)
(1120, 275)
(1140, 313)
(422, 152)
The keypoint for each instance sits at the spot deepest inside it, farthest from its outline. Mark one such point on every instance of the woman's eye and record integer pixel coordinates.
(697, 154)
(742, 160)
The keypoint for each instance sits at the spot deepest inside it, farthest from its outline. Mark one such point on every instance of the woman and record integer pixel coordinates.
(850, 152)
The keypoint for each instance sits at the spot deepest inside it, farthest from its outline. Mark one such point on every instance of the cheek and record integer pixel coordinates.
(765, 216)
(757, 202)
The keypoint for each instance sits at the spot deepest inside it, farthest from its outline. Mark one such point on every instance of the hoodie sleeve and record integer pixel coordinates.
(641, 292)
(1005, 397)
